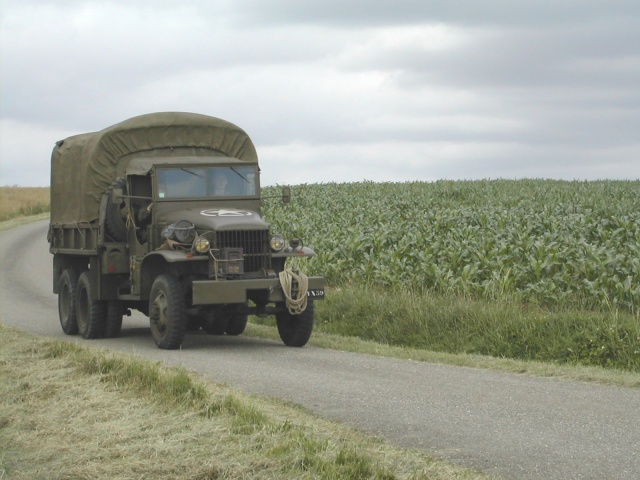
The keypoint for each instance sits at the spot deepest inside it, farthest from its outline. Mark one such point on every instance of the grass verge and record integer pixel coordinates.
(23, 201)
(71, 412)
(577, 345)
(604, 376)
(17, 221)
(498, 329)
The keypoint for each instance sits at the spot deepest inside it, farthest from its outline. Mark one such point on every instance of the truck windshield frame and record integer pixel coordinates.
(198, 181)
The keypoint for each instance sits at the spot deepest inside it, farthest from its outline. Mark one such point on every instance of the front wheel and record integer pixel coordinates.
(167, 312)
(295, 330)
(90, 313)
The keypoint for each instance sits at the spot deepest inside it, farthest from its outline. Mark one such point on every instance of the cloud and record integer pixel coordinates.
(358, 13)
(438, 89)
(25, 150)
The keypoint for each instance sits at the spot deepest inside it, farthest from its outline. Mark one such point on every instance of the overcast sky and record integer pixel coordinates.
(340, 91)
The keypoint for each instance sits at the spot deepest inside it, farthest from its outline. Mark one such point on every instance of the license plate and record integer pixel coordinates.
(315, 293)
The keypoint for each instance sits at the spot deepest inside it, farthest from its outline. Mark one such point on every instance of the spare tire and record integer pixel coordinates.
(114, 224)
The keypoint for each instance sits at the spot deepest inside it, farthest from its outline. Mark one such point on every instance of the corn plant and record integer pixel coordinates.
(539, 241)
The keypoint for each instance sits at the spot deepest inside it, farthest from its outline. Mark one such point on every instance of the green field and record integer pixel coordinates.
(530, 269)
(545, 242)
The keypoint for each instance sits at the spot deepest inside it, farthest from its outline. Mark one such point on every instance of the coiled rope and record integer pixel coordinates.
(299, 304)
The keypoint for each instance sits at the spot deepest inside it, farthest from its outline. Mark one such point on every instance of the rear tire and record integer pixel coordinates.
(67, 301)
(167, 312)
(90, 314)
(295, 330)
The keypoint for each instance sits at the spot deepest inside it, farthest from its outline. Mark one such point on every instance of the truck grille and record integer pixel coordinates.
(255, 246)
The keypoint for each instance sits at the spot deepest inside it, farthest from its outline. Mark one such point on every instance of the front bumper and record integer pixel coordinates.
(217, 292)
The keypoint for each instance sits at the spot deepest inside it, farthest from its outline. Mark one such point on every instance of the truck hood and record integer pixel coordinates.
(218, 219)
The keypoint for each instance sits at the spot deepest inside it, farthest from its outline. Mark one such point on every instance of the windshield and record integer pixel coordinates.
(199, 182)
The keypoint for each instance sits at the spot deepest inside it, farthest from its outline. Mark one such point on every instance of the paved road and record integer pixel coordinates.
(507, 425)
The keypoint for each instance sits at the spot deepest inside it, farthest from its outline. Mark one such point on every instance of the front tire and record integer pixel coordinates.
(167, 312)
(67, 301)
(295, 330)
(89, 313)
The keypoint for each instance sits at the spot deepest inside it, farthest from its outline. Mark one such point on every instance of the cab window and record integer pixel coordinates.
(207, 182)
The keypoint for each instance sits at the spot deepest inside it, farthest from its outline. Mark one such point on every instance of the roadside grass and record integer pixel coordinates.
(480, 327)
(23, 201)
(572, 344)
(605, 376)
(74, 412)
(17, 221)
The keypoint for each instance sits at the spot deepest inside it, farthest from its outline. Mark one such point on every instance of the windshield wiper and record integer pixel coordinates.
(239, 174)
(192, 173)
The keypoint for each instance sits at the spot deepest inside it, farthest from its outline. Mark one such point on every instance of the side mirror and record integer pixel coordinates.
(116, 196)
(286, 195)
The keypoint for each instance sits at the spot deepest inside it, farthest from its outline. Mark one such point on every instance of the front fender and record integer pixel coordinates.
(157, 263)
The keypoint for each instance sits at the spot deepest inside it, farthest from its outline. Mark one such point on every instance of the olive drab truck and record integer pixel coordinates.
(162, 213)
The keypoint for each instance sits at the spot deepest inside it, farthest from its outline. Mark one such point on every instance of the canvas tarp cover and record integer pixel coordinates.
(84, 166)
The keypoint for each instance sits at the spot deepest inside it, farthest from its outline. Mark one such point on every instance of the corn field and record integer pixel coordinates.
(535, 241)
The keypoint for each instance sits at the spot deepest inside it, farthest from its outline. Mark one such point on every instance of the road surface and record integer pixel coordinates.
(507, 425)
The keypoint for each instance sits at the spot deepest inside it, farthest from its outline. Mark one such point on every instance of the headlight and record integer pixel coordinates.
(277, 243)
(201, 245)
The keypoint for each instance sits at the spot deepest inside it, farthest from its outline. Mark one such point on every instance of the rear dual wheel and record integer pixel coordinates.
(67, 301)
(90, 313)
(79, 314)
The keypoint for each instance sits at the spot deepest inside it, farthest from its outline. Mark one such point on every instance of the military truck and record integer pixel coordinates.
(162, 213)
